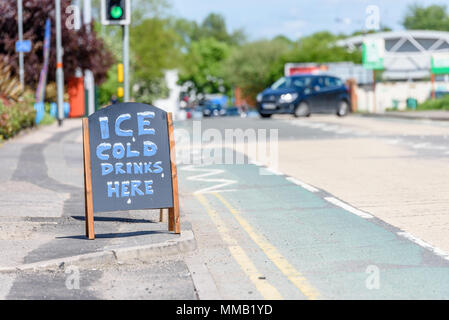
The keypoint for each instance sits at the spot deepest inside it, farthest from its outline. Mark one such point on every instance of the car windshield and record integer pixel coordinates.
(291, 82)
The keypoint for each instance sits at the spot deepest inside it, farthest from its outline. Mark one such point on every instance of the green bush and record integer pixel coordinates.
(16, 117)
(435, 104)
(47, 119)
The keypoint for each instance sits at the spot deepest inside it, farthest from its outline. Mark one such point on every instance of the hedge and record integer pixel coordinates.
(435, 104)
(15, 117)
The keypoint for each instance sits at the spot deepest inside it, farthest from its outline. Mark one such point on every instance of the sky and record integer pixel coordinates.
(294, 19)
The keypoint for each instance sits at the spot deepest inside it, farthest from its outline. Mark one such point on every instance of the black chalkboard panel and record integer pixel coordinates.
(130, 158)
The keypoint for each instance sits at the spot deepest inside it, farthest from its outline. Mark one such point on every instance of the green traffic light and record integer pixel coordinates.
(116, 12)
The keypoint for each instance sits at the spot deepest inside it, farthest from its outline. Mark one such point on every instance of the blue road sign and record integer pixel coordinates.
(23, 46)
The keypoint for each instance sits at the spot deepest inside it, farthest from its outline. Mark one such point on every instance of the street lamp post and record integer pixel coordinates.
(59, 66)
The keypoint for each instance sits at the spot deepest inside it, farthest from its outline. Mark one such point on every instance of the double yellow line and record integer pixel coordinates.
(266, 289)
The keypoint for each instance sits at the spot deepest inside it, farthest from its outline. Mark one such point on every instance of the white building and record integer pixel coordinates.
(170, 104)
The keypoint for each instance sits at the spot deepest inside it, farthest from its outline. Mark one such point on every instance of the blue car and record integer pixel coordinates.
(213, 110)
(302, 95)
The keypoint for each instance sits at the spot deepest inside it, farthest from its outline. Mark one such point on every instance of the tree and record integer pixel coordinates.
(155, 49)
(383, 28)
(207, 45)
(250, 67)
(319, 47)
(186, 29)
(213, 26)
(81, 49)
(256, 65)
(433, 17)
(203, 66)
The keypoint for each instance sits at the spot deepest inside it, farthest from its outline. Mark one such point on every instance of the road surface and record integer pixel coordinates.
(356, 208)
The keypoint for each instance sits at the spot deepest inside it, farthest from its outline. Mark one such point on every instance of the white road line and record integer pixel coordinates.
(343, 131)
(272, 171)
(317, 125)
(347, 207)
(424, 244)
(330, 128)
(303, 184)
(219, 183)
(420, 145)
(393, 141)
(298, 123)
(257, 163)
(438, 147)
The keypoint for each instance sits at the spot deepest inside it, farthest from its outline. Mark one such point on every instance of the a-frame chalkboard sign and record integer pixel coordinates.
(130, 162)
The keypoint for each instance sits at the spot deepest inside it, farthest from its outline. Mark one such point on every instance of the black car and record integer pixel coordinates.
(302, 95)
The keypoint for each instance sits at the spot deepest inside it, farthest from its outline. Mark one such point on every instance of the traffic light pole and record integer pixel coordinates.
(118, 12)
(126, 62)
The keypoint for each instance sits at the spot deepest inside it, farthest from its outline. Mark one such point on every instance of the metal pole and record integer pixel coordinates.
(89, 80)
(87, 14)
(126, 62)
(20, 23)
(59, 67)
(432, 79)
(374, 92)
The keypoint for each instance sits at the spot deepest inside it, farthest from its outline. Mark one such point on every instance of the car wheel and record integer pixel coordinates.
(264, 115)
(302, 110)
(343, 108)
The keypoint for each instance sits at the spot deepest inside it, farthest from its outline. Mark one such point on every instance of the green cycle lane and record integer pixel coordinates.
(341, 255)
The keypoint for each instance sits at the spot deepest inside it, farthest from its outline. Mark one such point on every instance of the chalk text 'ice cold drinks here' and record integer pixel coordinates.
(117, 158)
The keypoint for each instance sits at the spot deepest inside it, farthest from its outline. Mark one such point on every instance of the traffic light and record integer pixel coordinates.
(115, 12)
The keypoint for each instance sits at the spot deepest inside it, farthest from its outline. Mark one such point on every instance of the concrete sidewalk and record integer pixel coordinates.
(42, 209)
(434, 115)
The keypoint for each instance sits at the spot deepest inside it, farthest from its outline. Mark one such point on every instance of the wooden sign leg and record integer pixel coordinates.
(161, 215)
(174, 221)
(89, 210)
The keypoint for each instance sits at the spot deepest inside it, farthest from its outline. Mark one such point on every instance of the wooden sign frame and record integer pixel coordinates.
(174, 221)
